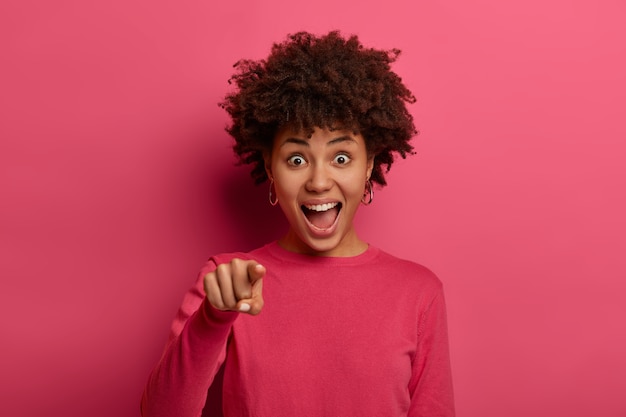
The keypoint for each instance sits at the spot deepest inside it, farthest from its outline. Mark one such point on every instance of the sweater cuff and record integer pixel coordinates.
(210, 317)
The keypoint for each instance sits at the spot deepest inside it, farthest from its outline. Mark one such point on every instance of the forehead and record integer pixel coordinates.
(317, 135)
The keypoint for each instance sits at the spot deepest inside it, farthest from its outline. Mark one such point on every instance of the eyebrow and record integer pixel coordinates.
(304, 142)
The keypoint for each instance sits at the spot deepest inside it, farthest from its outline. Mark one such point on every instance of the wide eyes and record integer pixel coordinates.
(341, 159)
(298, 160)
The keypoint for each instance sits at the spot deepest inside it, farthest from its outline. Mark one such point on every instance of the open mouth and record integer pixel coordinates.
(322, 216)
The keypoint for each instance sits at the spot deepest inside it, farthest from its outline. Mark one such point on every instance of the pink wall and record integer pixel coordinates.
(117, 183)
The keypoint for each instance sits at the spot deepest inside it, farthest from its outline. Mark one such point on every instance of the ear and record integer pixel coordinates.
(370, 166)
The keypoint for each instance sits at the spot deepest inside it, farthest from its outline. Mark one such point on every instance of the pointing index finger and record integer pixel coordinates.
(256, 271)
(254, 304)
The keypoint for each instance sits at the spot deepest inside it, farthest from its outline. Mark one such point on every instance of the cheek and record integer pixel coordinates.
(286, 187)
(356, 184)
(355, 190)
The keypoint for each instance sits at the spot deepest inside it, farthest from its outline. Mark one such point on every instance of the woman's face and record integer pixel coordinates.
(319, 182)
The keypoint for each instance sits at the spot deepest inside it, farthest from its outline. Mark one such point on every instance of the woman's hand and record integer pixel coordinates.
(236, 286)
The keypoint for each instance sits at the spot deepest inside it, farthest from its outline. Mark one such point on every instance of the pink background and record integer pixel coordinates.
(117, 182)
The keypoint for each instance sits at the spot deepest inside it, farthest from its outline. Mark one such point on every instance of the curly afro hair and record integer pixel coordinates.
(326, 82)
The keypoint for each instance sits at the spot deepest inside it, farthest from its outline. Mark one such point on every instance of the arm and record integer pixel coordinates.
(431, 381)
(196, 348)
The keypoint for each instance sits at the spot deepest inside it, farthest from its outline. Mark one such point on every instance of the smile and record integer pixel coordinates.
(321, 207)
(322, 217)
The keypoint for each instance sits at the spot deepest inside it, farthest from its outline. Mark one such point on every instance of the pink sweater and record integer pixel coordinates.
(358, 336)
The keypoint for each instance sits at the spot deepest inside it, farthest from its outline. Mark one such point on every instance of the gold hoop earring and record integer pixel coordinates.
(273, 198)
(368, 194)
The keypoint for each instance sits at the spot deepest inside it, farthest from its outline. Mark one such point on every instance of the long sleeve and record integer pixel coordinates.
(178, 385)
(364, 335)
(431, 382)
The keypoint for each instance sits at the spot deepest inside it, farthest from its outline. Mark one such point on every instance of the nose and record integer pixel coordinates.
(320, 179)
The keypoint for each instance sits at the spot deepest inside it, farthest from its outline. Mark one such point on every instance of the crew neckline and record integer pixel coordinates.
(285, 255)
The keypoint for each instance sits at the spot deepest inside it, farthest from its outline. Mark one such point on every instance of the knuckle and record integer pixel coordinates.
(235, 267)
(222, 269)
(208, 279)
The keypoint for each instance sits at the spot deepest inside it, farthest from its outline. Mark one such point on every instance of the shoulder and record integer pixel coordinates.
(410, 287)
(406, 272)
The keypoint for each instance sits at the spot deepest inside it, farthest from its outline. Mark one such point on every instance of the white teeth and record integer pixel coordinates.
(322, 207)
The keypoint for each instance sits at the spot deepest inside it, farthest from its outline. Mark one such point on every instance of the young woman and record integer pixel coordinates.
(319, 323)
